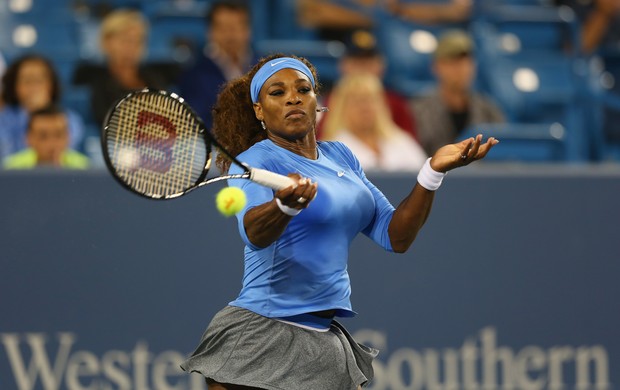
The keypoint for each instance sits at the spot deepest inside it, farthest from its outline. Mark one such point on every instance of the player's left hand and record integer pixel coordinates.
(462, 153)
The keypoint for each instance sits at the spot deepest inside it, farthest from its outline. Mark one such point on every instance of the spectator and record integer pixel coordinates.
(453, 106)
(360, 118)
(362, 56)
(48, 143)
(226, 56)
(453, 11)
(600, 22)
(335, 21)
(600, 34)
(123, 39)
(2, 69)
(29, 84)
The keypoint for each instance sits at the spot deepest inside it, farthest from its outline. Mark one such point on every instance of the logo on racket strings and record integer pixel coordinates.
(154, 141)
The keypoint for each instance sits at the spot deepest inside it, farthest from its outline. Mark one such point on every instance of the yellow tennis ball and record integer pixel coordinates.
(230, 200)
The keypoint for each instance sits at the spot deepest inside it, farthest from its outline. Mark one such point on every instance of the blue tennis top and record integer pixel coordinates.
(305, 270)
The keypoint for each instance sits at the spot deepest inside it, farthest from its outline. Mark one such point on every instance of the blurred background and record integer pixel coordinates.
(513, 282)
(550, 67)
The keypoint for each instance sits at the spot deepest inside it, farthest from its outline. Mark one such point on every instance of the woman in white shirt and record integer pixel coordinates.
(360, 118)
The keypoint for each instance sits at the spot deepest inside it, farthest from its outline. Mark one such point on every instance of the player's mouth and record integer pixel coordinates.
(295, 114)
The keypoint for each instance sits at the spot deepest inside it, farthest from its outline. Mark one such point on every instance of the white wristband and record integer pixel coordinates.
(287, 210)
(429, 178)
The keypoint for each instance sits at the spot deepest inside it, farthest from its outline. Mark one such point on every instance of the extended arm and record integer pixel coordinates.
(597, 24)
(413, 211)
(314, 13)
(454, 11)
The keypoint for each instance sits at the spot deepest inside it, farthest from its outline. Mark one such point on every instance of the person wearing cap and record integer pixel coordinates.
(363, 57)
(453, 106)
(281, 332)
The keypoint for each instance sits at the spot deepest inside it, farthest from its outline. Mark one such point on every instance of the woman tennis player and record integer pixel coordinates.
(281, 333)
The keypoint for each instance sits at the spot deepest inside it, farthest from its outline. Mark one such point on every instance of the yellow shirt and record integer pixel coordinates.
(27, 159)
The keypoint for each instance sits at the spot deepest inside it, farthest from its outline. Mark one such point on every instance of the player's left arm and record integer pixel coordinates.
(413, 211)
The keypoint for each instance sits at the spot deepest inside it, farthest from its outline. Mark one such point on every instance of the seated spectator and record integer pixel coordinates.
(333, 21)
(226, 56)
(453, 106)
(362, 56)
(600, 21)
(123, 39)
(29, 84)
(600, 35)
(452, 11)
(360, 118)
(47, 138)
(2, 69)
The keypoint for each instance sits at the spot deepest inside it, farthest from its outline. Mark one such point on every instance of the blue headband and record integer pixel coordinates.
(273, 66)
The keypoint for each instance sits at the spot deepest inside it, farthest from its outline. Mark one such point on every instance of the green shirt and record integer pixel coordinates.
(27, 159)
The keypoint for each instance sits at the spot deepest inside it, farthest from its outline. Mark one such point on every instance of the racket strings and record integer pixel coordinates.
(155, 145)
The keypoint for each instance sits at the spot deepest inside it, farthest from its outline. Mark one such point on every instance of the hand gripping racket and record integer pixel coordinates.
(156, 146)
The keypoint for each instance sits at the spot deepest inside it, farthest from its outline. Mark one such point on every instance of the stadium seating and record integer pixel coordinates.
(408, 48)
(555, 101)
(524, 142)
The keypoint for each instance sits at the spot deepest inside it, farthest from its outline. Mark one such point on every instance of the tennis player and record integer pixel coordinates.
(281, 333)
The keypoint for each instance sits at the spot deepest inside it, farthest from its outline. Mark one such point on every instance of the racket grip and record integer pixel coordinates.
(270, 179)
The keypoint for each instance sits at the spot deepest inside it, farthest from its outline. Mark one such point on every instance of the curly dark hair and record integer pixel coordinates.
(234, 124)
(9, 80)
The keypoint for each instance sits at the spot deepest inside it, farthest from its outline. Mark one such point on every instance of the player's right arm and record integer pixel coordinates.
(265, 223)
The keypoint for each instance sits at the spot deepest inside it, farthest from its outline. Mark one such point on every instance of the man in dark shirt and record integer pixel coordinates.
(226, 56)
(453, 106)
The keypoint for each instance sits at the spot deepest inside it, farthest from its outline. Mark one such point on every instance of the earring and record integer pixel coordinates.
(263, 125)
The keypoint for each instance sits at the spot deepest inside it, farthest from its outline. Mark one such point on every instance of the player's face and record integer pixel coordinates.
(48, 137)
(287, 104)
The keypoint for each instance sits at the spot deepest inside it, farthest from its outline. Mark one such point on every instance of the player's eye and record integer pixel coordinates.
(276, 92)
(305, 89)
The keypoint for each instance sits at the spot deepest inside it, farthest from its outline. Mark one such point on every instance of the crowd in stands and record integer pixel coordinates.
(401, 78)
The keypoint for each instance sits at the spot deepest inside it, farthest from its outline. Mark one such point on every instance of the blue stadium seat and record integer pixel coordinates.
(37, 32)
(524, 142)
(77, 98)
(542, 90)
(175, 37)
(283, 21)
(604, 108)
(408, 48)
(324, 55)
(518, 30)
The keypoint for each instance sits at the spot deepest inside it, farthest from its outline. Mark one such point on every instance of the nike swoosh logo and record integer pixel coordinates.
(341, 173)
(276, 63)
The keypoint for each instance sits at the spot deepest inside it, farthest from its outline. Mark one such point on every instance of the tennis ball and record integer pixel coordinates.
(230, 200)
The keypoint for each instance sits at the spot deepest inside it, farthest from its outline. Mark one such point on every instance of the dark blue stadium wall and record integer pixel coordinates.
(513, 284)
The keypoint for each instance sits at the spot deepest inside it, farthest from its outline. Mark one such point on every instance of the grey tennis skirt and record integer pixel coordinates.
(243, 348)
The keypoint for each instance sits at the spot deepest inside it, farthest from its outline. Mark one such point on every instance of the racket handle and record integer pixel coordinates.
(270, 179)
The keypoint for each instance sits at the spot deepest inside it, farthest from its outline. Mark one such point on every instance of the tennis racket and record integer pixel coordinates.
(155, 145)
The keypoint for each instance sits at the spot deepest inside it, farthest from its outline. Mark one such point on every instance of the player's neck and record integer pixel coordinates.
(305, 147)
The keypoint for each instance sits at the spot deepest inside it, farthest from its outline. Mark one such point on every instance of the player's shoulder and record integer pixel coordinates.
(336, 150)
(260, 155)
